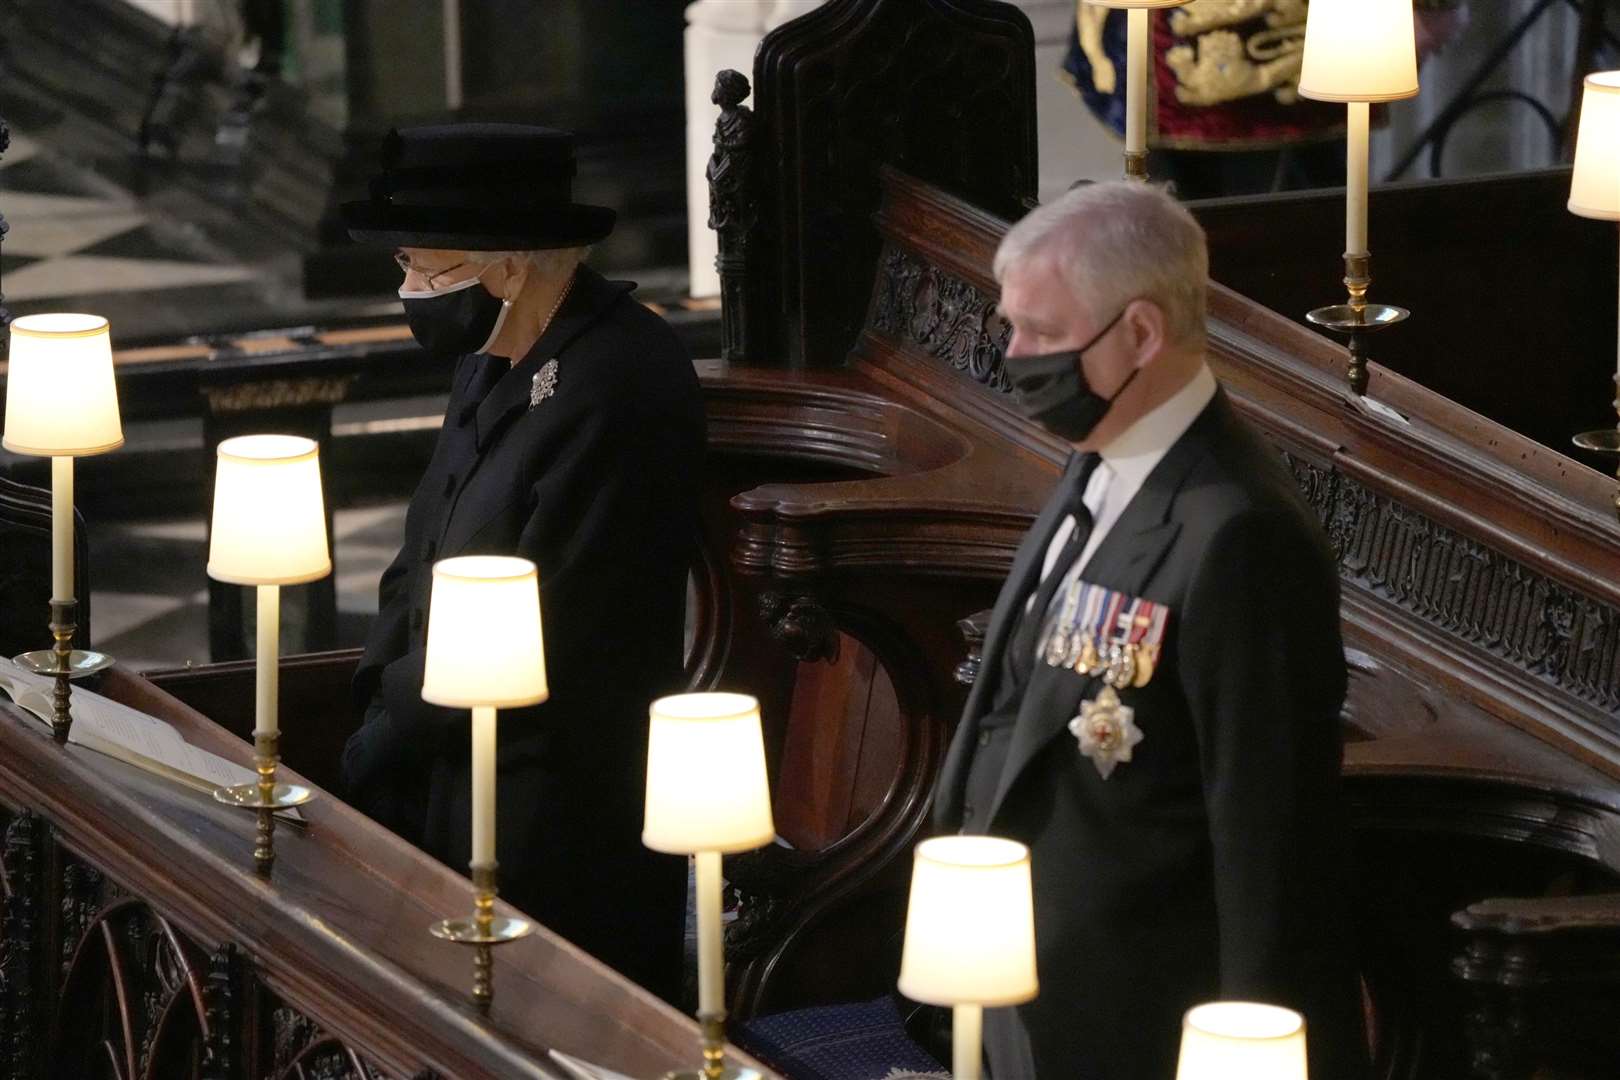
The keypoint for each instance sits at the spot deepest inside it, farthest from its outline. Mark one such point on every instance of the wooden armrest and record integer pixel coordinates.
(1541, 915)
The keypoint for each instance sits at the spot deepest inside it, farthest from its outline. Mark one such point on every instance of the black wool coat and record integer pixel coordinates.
(597, 484)
(1212, 865)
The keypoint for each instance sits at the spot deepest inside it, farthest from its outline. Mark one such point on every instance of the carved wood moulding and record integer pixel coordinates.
(1566, 641)
(94, 982)
(924, 307)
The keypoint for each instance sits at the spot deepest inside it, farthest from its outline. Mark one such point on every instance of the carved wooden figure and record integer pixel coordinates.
(733, 209)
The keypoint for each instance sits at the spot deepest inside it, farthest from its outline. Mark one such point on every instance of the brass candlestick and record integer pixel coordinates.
(1357, 318)
(264, 796)
(714, 1054)
(1136, 165)
(483, 931)
(63, 663)
(1605, 441)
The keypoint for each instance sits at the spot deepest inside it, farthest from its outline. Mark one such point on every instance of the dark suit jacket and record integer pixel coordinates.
(1212, 865)
(598, 485)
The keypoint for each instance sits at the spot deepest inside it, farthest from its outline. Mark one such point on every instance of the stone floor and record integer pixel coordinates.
(150, 591)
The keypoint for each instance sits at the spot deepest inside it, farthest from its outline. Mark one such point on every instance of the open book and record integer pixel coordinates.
(131, 736)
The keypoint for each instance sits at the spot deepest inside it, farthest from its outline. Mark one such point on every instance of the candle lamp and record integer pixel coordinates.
(268, 529)
(62, 403)
(1138, 63)
(1358, 52)
(1224, 1040)
(1594, 192)
(485, 651)
(707, 795)
(970, 935)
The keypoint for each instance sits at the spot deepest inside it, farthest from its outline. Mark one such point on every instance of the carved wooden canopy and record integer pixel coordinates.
(944, 89)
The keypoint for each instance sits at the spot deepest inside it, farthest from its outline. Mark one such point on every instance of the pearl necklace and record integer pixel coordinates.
(567, 288)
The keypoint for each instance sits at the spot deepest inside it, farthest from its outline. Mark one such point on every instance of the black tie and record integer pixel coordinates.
(1019, 659)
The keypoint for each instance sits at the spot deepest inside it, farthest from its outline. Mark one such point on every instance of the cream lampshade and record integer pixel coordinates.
(61, 399)
(485, 651)
(970, 923)
(268, 530)
(707, 795)
(1594, 191)
(1138, 3)
(62, 403)
(707, 788)
(1359, 50)
(484, 642)
(970, 935)
(1240, 1040)
(269, 520)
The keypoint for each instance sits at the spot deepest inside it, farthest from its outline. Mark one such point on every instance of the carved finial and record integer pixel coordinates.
(730, 89)
(733, 209)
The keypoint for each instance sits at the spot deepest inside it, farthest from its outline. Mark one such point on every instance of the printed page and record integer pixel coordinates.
(111, 728)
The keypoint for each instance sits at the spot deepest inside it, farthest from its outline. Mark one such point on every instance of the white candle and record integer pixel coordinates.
(967, 1041)
(266, 678)
(1617, 369)
(711, 947)
(1355, 192)
(1136, 74)
(61, 528)
(483, 785)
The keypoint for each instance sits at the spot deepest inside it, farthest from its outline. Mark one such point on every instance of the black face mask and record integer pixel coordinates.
(1051, 390)
(454, 321)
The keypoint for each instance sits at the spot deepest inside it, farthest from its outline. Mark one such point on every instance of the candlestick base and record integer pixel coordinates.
(714, 1054)
(63, 663)
(482, 931)
(264, 797)
(1136, 165)
(1604, 441)
(82, 663)
(1356, 322)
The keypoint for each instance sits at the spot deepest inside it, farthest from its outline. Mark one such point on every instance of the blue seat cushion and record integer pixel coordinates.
(860, 1041)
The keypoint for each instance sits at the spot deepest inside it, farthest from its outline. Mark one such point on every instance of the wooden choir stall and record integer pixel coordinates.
(867, 486)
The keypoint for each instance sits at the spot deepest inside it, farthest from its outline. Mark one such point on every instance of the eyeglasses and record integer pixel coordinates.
(407, 265)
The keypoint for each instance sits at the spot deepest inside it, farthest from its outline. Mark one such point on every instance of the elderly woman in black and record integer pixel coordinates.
(574, 438)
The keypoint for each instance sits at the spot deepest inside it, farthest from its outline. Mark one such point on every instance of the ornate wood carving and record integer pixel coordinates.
(220, 1015)
(5, 313)
(921, 305)
(800, 625)
(81, 899)
(944, 89)
(1543, 975)
(19, 937)
(1468, 590)
(733, 211)
(242, 397)
(1498, 1020)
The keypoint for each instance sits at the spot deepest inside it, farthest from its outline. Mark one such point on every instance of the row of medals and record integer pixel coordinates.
(1120, 663)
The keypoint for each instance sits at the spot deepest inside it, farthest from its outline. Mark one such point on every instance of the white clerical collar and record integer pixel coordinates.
(1135, 451)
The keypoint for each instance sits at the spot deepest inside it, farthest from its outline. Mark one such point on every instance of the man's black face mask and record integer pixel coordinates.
(1051, 389)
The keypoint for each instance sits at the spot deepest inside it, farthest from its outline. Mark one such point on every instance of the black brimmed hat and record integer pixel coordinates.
(477, 187)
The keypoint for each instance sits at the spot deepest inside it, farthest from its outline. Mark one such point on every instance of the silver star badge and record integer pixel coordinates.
(544, 383)
(1106, 730)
